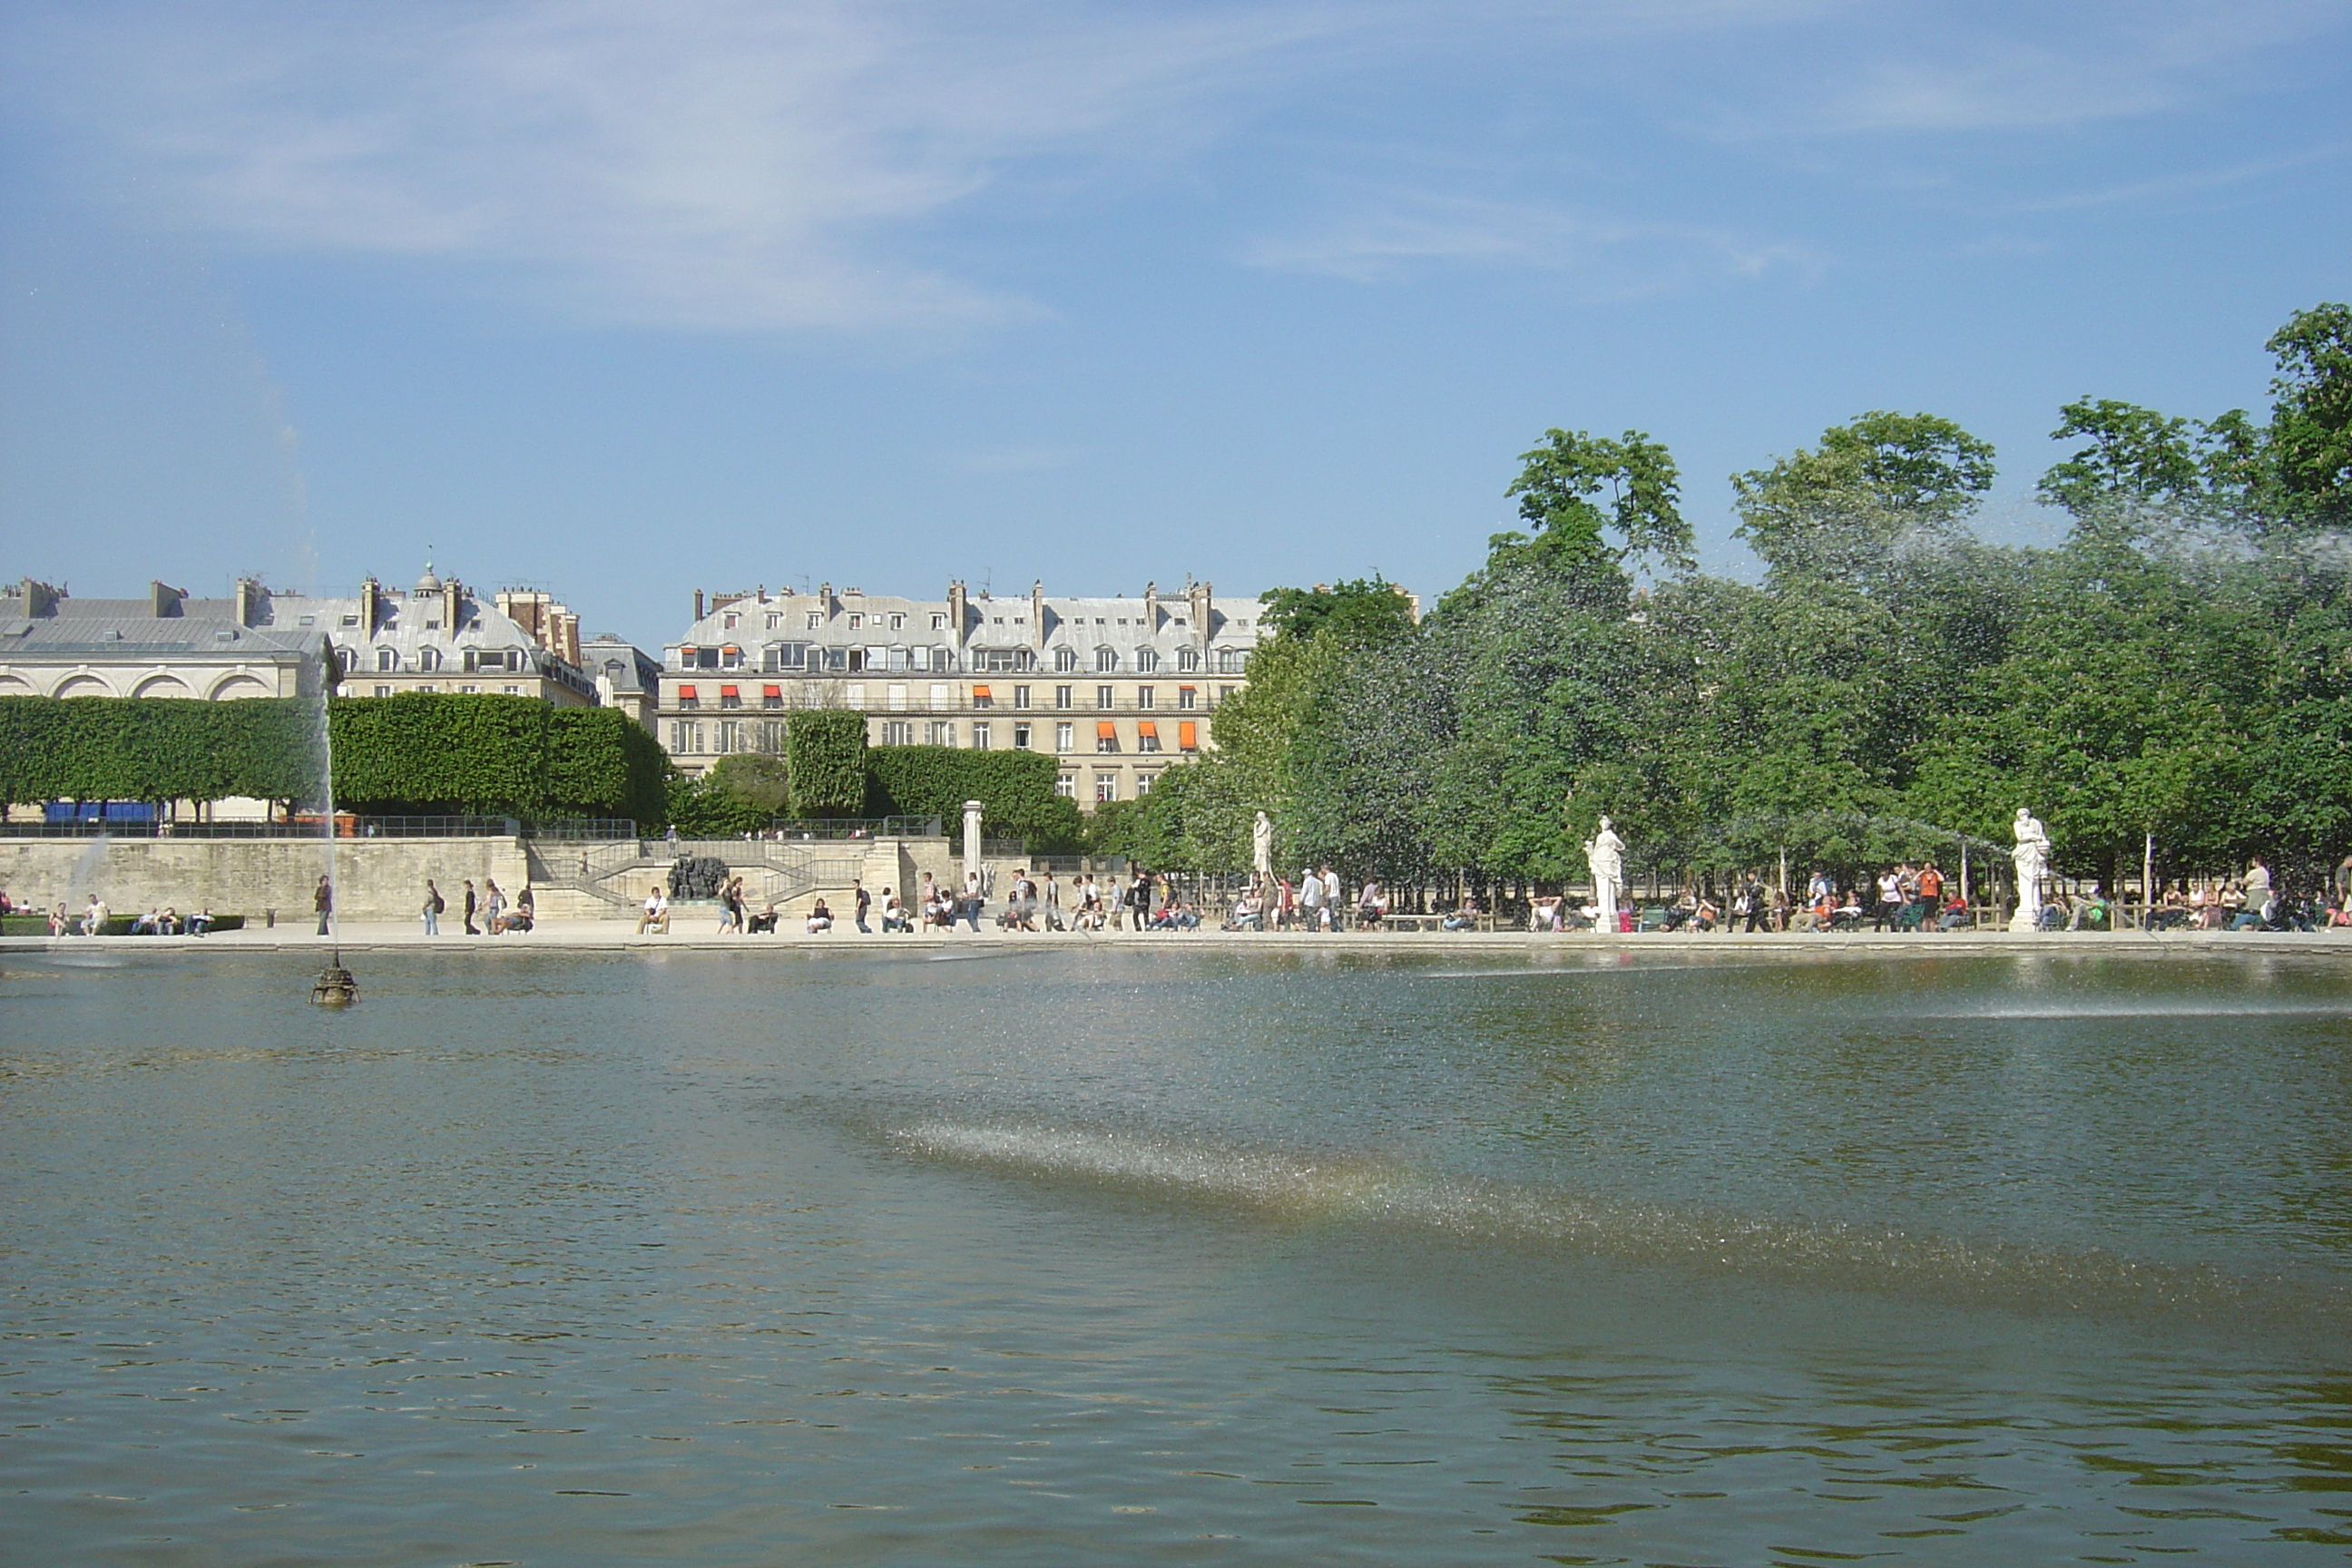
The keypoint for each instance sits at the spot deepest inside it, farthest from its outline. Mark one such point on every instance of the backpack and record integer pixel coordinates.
(438, 905)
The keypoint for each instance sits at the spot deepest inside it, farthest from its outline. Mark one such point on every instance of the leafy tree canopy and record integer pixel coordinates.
(1365, 610)
(1848, 507)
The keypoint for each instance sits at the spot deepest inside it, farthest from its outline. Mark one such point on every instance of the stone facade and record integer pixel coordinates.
(166, 644)
(1116, 690)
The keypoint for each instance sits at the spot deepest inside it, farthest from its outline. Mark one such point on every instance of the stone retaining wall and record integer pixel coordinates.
(376, 878)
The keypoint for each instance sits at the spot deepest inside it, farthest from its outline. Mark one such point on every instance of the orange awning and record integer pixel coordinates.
(729, 647)
(1188, 735)
(1147, 729)
(979, 694)
(685, 694)
(1105, 731)
(729, 691)
(772, 691)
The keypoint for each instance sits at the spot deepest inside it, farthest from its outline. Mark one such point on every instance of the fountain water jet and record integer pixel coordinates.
(335, 987)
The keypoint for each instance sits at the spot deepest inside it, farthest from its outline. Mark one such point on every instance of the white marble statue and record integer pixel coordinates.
(1604, 852)
(2033, 858)
(1262, 848)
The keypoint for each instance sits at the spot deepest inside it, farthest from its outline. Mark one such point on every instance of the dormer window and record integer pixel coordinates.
(815, 619)
(429, 659)
(727, 621)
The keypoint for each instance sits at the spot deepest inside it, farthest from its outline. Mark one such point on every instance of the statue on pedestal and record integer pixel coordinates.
(1604, 852)
(2033, 858)
(1262, 849)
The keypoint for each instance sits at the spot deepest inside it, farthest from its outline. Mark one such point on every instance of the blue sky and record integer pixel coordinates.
(624, 299)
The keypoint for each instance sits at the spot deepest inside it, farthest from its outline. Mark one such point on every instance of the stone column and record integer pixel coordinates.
(971, 810)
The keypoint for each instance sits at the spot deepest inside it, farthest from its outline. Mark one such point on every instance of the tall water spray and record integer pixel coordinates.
(334, 986)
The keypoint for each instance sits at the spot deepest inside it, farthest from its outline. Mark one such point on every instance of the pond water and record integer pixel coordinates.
(1145, 1255)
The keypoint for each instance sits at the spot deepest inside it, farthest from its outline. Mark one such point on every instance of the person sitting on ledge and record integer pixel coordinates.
(657, 916)
(764, 922)
(1464, 916)
(894, 914)
(145, 925)
(819, 919)
(201, 922)
(1248, 913)
(1954, 915)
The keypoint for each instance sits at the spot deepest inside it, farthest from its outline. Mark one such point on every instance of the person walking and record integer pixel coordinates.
(865, 902)
(494, 907)
(323, 900)
(1139, 903)
(1310, 899)
(433, 907)
(468, 914)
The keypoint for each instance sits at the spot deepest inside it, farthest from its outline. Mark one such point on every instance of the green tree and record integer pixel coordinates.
(1600, 510)
(2310, 437)
(1875, 490)
(1365, 610)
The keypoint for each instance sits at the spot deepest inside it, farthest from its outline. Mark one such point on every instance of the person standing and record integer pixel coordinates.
(468, 912)
(433, 907)
(1139, 903)
(1931, 896)
(1052, 903)
(494, 907)
(1310, 899)
(1332, 907)
(865, 902)
(323, 900)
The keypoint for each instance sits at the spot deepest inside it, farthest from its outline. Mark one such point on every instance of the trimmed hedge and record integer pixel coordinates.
(430, 754)
(1016, 790)
(824, 753)
(155, 749)
(440, 753)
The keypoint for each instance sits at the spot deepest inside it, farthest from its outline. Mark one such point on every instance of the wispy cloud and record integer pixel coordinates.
(736, 164)
(1381, 235)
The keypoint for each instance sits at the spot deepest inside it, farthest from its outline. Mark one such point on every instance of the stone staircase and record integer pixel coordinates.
(617, 874)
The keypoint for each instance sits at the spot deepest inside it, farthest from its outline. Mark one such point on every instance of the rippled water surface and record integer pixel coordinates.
(1141, 1255)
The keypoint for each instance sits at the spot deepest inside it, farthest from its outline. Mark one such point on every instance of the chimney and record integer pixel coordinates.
(1203, 606)
(40, 599)
(698, 603)
(249, 601)
(1037, 615)
(1151, 609)
(162, 602)
(453, 603)
(956, 611)
(370, 602)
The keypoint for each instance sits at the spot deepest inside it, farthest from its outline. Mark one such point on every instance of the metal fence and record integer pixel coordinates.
(830, 828)
(301, 825)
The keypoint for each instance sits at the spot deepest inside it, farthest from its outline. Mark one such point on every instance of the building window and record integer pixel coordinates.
(774, 620)
(1021, 697)
(897, 622)
(815, 620)
(1143, 784)
(468, 690)
(1065, 659)
(730, 696)
(387, 658)
(940, 734)
(1187, 698)
(1143, 696)
(1106, 660)
(1229, 661)
(685, 739)
(1146, 660)
(980, 737)
(1147, 736)
(897, 733)
(730, 658)
(1105, 696)
(771, 738)
(854, 695)
(897, 696)
(1020, 737)
(982, 698)
(940, 697)
(383, 691)
(811, 694)
(1062, 697)
(1188, 659)
(727, 620)
(1106, 788)
(939, 623)
(1067, 786)
(1224, 693)
(856, 623)
(1065, 736)
(772, 697)
(730, 736)
(706, 659)
(1106, 737)
(686, 697)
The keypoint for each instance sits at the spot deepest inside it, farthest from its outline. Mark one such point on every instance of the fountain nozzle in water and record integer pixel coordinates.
(335, 987)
